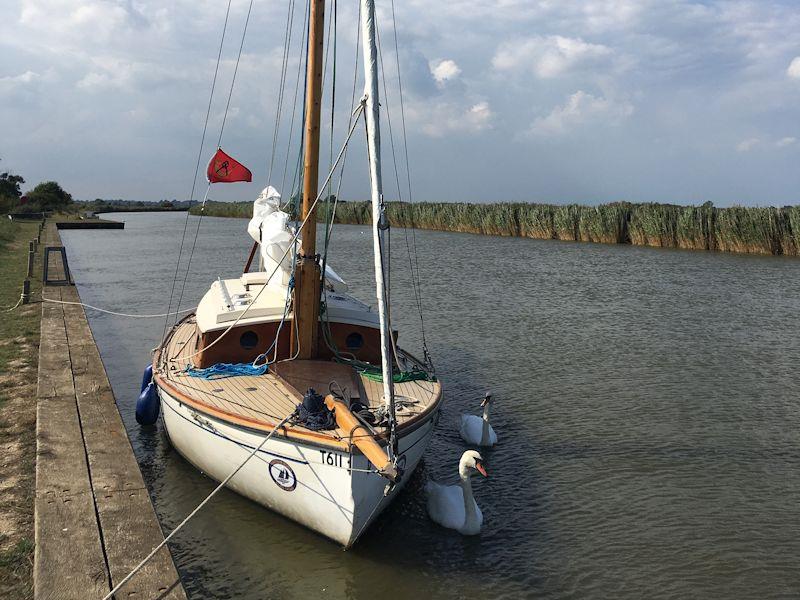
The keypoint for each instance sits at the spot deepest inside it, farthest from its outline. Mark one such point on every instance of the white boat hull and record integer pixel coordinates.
(334, 493)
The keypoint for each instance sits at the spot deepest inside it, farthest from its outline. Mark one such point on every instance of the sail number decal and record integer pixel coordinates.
(283, 475)
(334, 460)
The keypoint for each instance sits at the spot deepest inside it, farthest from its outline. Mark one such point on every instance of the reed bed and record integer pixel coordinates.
(756, 230)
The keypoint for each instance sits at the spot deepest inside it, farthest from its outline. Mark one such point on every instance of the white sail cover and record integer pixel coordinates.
(269, 227)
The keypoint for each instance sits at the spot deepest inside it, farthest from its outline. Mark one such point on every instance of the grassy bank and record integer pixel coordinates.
(19, 343)
(737, 229)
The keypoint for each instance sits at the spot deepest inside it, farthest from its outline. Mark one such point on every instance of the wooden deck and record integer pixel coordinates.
(264, 400)
(94, 520)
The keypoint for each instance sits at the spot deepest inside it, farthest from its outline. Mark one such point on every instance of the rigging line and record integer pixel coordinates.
(349, 122)
(197, 167)
(291, 245)
(394, 160)
(331, 24)
(329, 225)
(219, 142)
(222, 484)
(303, 41)
(387, 280)
(410, 193)
(297, 177)
(381, 253)
(235, 71)
(194, 244)
(287, 42)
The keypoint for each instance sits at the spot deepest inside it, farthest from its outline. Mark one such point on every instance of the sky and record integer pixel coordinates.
(542, 101)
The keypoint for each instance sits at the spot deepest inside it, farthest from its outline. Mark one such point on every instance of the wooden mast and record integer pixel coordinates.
(307, 273)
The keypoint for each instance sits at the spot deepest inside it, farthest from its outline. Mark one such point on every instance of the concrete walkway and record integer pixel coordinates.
(94, 519)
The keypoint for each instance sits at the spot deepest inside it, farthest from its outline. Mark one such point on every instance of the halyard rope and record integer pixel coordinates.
(222, 484)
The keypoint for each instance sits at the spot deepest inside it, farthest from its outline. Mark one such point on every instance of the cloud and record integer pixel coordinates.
(444, 118)
(784, 142)
(22, 78)
(444, 70)
(748, 144)
(549, 56)
(579, 109)
(702, 74)
(793, 70)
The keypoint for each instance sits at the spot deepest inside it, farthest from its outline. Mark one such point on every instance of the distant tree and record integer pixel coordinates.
(10, 192)
(48, 196)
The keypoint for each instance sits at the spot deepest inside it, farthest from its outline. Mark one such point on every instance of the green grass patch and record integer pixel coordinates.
(21, 326)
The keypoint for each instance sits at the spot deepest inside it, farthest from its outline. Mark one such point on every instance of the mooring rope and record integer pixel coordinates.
(21, 298)
(117, 314)
(222, 484)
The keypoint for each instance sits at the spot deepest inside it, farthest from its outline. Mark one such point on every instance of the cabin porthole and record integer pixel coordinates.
(354, 341)
(248, 340)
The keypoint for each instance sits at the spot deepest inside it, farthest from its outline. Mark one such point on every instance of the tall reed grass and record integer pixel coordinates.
(759, 230)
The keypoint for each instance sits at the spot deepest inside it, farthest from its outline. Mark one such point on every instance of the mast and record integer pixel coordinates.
(307, 273)
(380, 222)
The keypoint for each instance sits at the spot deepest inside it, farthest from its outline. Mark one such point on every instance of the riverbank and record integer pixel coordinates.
(19, 351)
(754, 230)
(94, 520)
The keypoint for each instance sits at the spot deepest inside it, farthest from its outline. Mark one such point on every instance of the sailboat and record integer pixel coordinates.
(335, 414)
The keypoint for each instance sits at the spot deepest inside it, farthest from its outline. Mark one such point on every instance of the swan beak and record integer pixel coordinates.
(481, 470)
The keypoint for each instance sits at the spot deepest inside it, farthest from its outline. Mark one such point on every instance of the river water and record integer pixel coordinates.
(647, 403)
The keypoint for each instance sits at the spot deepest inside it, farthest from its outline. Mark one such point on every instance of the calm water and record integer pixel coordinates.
(648, 404)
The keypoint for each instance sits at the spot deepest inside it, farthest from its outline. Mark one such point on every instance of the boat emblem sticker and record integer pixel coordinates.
(282, 475)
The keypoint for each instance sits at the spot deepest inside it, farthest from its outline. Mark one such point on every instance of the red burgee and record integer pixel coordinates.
(224, 169)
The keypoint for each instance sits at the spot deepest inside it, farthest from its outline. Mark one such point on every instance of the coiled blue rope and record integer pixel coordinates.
(222, 370)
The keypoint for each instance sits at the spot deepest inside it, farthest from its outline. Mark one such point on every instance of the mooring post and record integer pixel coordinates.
(32, 246)
(30, 263)
(26, 291)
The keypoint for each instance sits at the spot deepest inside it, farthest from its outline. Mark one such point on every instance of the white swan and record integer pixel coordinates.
(454, 506)
(477, 430)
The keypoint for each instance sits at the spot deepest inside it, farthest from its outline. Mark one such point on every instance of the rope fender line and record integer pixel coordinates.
(222, 484)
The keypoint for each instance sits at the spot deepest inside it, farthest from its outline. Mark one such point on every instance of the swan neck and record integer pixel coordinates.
(485, 425)
(469, 501)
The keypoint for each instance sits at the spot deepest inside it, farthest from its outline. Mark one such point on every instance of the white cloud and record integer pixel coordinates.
(549, 56)
(784, 142)
(748, 144)
(579, 109)
(19, 80)
(793, 70)
(444, 70)
(440, 119)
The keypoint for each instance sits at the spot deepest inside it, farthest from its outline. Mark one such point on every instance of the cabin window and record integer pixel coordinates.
(248, 340)
(354, 341)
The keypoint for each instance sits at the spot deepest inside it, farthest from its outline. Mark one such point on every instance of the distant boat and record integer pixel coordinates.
(308, 335)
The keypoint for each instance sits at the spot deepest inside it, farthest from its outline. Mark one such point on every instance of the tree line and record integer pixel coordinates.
(46, 196)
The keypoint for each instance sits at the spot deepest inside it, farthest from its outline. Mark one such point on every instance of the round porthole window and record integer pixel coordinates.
(354, 341)
(248, 340)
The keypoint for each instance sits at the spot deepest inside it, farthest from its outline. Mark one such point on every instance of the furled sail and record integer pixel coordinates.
(270, 228)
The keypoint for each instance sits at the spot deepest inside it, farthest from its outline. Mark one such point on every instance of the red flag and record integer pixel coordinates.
(224, 169)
